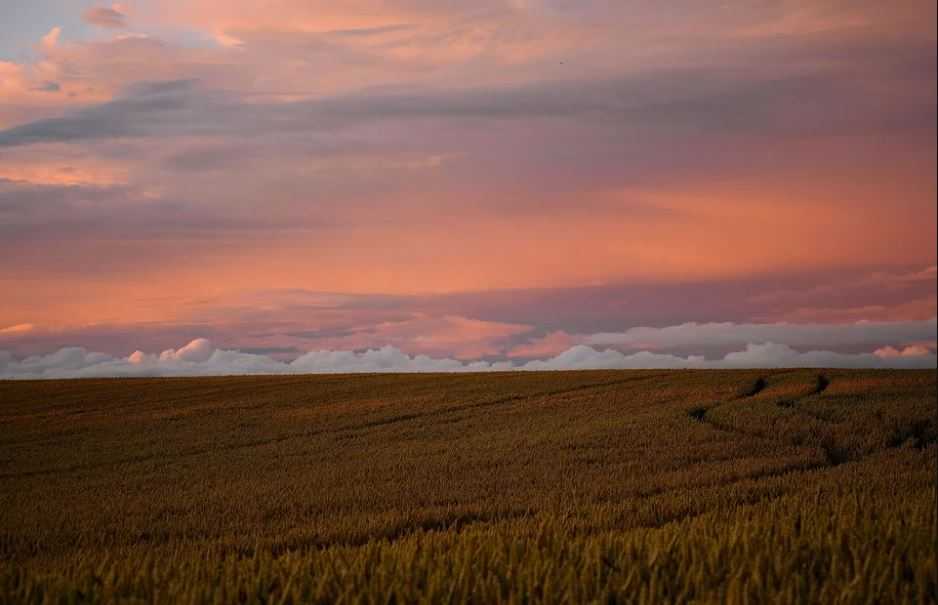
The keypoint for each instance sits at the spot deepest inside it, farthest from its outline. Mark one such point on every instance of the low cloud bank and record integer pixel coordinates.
(201, 358)
(800, 336)
(767, 355)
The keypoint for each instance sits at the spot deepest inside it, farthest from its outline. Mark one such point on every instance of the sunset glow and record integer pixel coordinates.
(504, 181)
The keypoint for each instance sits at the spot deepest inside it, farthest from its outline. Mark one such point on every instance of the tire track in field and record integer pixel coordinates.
(498, 401)
(832, 453)
(700, 413)
(169, 457)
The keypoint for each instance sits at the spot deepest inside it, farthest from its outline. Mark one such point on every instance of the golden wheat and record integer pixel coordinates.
(640, 487)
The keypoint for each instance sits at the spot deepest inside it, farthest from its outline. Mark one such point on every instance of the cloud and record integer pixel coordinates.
(111, 17)
(910, 351)
(385, 359)
(200, 358)
(48, 86)
(140, 112)
(449, 335)
(49, 41)
(695, 335)
(765, 355)
(546, 345)
(668, 101)
(17, 329)
(199, 350)
(600, 128)
(713, 336)
(68, 361)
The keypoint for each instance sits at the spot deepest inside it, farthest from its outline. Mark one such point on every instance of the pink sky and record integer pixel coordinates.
(495, 180)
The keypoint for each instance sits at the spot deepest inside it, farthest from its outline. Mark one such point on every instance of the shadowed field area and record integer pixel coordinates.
(638, 486)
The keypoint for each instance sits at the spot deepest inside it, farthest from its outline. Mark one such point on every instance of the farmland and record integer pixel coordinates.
(607, 486)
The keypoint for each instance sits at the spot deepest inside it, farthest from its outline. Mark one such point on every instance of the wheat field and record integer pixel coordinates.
(787, 486)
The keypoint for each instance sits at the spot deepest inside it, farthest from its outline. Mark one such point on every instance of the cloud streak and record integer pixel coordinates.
(697, 335)
(673, 101)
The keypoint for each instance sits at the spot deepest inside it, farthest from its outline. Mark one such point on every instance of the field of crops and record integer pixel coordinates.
(572, 487)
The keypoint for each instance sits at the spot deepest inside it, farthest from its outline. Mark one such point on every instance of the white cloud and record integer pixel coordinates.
(198, 350)
(385, 359)
(582, 357)
(200, 358)
(765, 355)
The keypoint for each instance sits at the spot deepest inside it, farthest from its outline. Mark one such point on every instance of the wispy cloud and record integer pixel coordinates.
(112, 16)
(17, 329)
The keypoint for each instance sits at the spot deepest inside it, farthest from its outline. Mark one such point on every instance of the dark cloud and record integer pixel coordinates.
(603, 308)
(48, 86)
(81, 212)
(781, 95)
(372, 31)
(138, 114)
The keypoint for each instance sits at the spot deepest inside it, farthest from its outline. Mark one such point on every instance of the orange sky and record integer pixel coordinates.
(162, 162)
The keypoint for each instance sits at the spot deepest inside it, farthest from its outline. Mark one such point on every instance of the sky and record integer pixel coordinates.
(208, 186)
